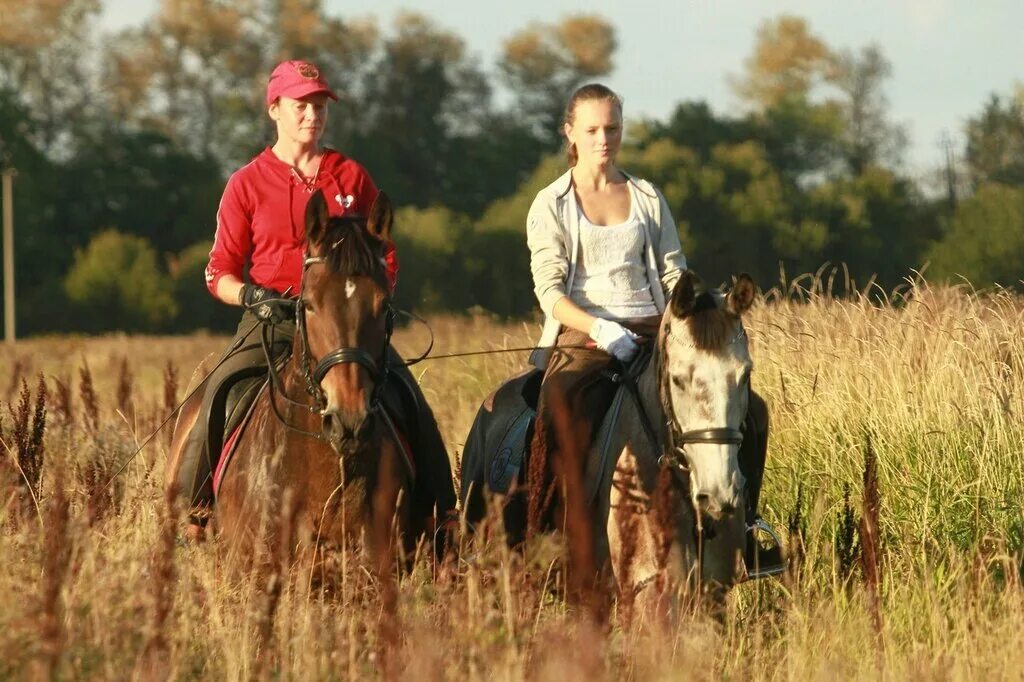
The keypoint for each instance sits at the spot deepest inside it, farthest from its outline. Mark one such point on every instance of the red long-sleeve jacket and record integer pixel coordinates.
(262, 218)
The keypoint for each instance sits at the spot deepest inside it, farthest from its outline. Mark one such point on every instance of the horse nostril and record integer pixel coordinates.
(333, 427)
(702, 499)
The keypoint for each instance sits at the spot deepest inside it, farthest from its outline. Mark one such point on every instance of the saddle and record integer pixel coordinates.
(401, 405)
(497, 448)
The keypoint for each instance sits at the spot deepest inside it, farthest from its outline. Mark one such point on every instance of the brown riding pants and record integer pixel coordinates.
(574, 382)
(575, 375)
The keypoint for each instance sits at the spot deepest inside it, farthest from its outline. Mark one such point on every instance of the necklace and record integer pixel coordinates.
(309, 184)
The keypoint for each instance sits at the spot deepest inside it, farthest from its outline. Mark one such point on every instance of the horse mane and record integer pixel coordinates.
(350, 249)
(710, 325)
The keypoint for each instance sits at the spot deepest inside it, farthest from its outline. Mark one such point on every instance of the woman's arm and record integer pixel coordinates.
(572, 316)
(231, 245)
(229, 289)
(669, 252)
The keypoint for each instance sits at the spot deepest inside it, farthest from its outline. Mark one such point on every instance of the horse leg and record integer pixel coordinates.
(387, 514)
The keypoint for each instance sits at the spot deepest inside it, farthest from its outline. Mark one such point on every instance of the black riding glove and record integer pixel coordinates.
(266, 304)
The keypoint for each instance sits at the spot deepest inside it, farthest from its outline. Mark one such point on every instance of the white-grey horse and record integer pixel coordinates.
(675, 509)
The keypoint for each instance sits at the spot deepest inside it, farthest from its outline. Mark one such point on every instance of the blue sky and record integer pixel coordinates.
(947, 56)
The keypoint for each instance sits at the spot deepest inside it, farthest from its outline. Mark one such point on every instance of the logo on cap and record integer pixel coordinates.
(307, 70)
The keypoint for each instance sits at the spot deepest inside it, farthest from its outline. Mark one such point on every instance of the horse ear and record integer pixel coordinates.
(382, 216)
(741, 296)
(684, 295)
(316, 217)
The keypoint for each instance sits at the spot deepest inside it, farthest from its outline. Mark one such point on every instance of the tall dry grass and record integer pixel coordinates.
(920, 579)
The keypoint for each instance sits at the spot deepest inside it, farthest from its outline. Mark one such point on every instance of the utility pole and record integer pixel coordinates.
(7, 176)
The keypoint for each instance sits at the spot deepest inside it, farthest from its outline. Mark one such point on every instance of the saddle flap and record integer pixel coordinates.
(507, 461)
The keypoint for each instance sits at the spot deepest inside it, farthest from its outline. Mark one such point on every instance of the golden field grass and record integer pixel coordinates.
(936, 383)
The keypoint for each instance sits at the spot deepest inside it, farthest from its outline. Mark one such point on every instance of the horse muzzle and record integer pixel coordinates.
(718, 502)
(346, 429)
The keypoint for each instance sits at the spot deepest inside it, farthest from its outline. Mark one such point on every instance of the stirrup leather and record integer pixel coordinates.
(758, 569)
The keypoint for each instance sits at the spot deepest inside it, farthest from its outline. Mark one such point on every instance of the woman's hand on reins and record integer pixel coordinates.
(266, 304)
(614, 339)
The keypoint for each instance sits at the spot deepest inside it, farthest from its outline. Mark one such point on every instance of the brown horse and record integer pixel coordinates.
(321, 431)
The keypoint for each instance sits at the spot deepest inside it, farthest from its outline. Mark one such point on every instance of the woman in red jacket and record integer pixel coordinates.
(261, 220)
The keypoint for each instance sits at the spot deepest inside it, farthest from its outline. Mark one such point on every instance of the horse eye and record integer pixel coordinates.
(309, 307)
(678, 382)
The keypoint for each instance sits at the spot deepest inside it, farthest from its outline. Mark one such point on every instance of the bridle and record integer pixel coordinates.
(674, 455)
(677, 443)
(379, 369)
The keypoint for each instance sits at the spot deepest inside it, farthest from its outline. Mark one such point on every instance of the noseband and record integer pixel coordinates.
(378, 369)
(677, 441)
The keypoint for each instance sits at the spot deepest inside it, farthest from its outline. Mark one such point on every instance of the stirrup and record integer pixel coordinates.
(761, 562)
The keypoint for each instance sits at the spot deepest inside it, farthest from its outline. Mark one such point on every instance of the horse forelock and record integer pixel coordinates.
(349, 249)
(710, 326)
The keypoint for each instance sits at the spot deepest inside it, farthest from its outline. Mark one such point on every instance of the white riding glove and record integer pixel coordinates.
(615, 339)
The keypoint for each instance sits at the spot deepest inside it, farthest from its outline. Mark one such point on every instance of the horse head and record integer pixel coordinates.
(345, 318)
(704, 387)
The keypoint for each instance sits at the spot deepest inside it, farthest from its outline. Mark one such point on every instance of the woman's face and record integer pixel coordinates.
(596, 131)
(300, 120)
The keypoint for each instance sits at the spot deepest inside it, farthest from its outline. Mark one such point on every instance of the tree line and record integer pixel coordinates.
(122, 144)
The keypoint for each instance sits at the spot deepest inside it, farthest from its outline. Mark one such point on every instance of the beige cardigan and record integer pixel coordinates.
(553, 235)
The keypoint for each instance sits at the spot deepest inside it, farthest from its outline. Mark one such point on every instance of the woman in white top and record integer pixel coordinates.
(605, 255)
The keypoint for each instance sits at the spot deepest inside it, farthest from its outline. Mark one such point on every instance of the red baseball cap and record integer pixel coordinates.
(296, 79)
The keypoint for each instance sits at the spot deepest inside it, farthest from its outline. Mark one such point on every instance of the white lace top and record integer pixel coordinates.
(611, 275)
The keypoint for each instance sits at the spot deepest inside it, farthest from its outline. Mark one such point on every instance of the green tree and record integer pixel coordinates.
(984, 239)
(140, 182)
(45, 50)
(877, 223)
(509, 213)
(119, 283)
(39, 202)
(869, 138)
(543, 63)
(995, 141)
(425, 93)
(194, 73)
(197, 309)
(430, 243)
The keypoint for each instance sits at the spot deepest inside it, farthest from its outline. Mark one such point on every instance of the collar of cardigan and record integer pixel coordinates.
(565, 184)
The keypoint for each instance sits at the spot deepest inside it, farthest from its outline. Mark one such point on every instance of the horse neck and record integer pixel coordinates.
(647, 390)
